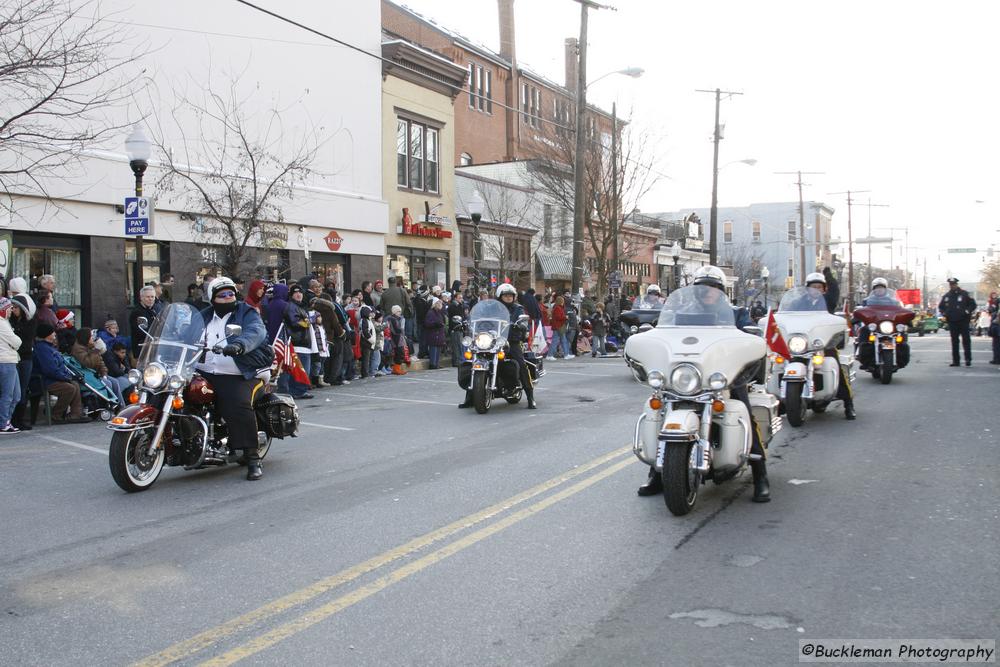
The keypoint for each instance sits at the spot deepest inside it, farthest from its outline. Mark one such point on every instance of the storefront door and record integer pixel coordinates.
(61, 257)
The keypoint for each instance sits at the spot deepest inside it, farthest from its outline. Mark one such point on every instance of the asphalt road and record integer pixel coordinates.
(400, 530)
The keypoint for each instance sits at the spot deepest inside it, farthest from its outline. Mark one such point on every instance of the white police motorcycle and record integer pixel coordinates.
(808, 379)
(691, 428)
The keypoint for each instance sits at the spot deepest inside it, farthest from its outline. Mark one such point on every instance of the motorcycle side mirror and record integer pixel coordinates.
(233, 330)
(523, 319)
(633, 329)
(142, 322)
(645, 327)
(756, 331)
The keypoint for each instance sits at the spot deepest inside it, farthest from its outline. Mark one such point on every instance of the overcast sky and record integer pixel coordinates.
(895, 97)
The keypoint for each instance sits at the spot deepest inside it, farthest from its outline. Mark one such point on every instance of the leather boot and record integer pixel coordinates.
(849, 412)
(653, 485)
(761, 487)
(254, 470)
(17, 417)
(531, 399)
(468, 401)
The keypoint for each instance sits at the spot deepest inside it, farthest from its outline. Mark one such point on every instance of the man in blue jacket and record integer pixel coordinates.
(58, 379)
(235, 366)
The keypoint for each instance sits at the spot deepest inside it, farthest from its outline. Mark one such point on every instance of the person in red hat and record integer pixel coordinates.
(65, 329)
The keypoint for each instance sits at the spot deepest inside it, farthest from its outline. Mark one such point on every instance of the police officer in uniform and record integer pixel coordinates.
(507, 295)
(708, 300)
(957, 307)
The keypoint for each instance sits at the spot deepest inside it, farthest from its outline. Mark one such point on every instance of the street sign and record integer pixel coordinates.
(137, 211)
(954, 250)
(615, 280)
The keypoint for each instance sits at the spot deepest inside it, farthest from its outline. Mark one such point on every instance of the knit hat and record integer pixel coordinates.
(18, 285)
(65, 318)
(25, 303)
(295, 287)
(44, 330)
(5, 306)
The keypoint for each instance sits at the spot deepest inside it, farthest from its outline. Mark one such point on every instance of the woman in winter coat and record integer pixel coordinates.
(10, 386)
(434, 332)
(276, 308)
(44, 309)
(398, 337)
(85, 352)
(255, 295)
(559, 323)
(24, 322)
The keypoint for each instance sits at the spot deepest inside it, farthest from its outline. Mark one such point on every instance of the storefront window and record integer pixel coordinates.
(327, 268)
(154, 264)
(64, 265)
(429, 267)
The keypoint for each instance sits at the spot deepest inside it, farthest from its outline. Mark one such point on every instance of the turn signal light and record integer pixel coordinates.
(655, 403)
(501, 355)
(899, 339)
(177, 403)
(871, 338)
(468, 354)
(778, 359)
(118, 421)
(817, 360)
(718, 406)
(672, 427)
(133, 397)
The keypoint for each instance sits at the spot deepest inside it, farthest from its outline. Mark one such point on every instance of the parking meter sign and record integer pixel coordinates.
(137, 216)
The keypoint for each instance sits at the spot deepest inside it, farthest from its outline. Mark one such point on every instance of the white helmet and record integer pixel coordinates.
(815, 277)
(880, 282)
(221, 283)
(506, 288)
(652, 289)
(712, 276)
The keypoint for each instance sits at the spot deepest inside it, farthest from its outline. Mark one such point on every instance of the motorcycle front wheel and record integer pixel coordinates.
(482, 395)
(885, 373)
(680, 480)
(795, 406)
(131, 467)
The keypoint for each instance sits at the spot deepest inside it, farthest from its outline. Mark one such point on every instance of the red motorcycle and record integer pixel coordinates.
(171, 419)
(882, 343)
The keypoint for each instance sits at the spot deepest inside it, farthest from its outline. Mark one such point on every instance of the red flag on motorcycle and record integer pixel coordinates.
(775, 341)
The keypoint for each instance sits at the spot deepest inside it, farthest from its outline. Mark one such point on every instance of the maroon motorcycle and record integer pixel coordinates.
(171, 419)
(882, 343)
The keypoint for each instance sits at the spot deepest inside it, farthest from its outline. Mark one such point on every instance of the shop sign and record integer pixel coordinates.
(333, 241)
(409, 228)
(274, 237)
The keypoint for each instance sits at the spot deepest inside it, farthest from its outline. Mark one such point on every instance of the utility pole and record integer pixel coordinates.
(906, 250)
(580, 205)
(713, 220)
(615, 203)
(802, 219)
(850, 243)
(870, 204)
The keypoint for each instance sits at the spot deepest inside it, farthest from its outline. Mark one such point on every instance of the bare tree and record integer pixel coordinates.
(237, 169)
(61, 80)
(615, 182)
(989, 277)
(746, 260)
(509, 211)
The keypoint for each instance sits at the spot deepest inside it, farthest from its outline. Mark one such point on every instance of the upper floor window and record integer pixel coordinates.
(791, 230)
(561, 109)
(531, 105)
(727, 232)
(464, 160)
(756, 230)
(480, 88)
(416, 156)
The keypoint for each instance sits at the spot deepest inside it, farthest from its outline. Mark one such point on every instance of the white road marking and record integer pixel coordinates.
(335, 428)
(589, 375)
(75, 444)
(387, 398)
(428, 380)
(797, 482)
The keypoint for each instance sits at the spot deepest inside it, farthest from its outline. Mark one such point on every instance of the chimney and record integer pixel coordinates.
(507, 43)
(572, 63)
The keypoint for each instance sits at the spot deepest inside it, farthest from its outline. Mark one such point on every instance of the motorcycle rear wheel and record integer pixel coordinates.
(680, 480)
(482, 396)
(795, 406)
(131, 470)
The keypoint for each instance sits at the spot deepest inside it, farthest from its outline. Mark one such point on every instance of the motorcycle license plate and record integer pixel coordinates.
(887, 346)
(479, 367)
(660, 449)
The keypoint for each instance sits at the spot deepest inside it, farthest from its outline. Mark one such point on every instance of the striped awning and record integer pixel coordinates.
(554, 267)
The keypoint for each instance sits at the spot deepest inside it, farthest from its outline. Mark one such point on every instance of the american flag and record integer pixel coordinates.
(286, 360)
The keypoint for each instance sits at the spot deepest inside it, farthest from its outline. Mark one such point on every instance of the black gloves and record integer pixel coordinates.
(233, 350)
(827, 273)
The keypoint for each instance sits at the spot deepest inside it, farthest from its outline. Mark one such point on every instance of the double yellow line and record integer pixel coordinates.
(260, 642)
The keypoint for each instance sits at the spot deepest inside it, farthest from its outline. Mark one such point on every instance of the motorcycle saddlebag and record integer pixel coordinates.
(277, 415)
(465, 375)
(535, 369)
(764, 408)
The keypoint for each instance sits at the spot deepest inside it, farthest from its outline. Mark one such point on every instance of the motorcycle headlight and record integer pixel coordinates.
(886, 327)
(176, 382)
(685, 379)
(484, 340)
(154, 376)
(135, 376)
(717, 381)
(797, 344)
(872, 326)
(900, 328)
(655, 379)
(466, 341)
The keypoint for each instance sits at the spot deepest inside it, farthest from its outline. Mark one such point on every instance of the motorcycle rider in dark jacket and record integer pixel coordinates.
(507, 295)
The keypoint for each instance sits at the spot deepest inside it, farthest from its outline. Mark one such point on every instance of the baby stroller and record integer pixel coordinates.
(97, 398)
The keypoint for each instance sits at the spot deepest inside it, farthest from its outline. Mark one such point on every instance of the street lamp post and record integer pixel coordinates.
(675, 252)
(476, 206)
(138, 148)
(765, 275)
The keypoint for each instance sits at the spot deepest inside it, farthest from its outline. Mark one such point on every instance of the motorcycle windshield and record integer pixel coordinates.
(802, 300)
(887, 298)
(697, 306)
(489, 317)
(175, 340)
